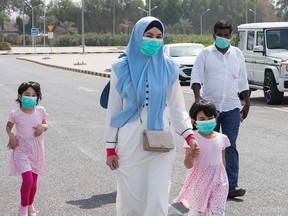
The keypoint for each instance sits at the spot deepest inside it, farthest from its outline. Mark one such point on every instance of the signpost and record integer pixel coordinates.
(50, 27)
(50, 35)
(34, 32)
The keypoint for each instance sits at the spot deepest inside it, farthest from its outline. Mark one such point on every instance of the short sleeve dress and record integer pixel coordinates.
(29, 154)
(206, 185)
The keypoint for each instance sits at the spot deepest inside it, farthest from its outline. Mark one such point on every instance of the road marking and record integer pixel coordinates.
(284, 109)
(86, 89)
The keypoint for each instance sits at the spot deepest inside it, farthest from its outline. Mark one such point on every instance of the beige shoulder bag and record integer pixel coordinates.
(155, 140)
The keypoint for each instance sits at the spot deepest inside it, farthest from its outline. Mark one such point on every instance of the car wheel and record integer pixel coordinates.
(271, 92)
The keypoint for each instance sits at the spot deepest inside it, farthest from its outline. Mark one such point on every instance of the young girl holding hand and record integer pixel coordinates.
(27, 143)
(205, 189)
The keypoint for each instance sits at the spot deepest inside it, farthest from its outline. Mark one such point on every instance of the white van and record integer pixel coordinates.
(265, 48)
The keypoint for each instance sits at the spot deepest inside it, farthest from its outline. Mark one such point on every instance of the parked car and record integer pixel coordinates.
(184, 54)
(265, 48)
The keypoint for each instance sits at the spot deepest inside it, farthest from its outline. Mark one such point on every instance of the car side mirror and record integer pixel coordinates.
(258, 49)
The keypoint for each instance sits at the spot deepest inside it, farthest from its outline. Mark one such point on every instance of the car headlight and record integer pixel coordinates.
(284, 70)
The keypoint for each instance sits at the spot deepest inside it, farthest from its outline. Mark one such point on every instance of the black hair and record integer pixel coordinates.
(153, 24)
(34, 85)
(223, 24)
(206, 106)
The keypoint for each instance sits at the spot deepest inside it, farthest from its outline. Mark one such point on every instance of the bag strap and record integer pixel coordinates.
(136, 100)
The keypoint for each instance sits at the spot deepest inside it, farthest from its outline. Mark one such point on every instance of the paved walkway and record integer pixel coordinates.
(95, 61)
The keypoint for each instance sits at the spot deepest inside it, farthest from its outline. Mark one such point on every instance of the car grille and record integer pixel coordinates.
(188, 70)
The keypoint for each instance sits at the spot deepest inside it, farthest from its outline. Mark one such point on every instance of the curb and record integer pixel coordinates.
(48, 53)
(101, 74)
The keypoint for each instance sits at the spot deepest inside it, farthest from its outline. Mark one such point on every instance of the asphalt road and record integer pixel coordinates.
(77, 181)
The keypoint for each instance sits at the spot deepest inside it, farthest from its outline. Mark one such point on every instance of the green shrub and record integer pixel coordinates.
(5, 46)
(67, 40)
(97, 39)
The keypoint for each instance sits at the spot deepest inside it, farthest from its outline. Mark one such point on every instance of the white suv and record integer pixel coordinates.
(265, 48)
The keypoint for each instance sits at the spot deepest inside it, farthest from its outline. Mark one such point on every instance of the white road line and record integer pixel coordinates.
(284, 109)
(86, 89)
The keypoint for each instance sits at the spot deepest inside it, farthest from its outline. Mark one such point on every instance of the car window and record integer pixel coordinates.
(259, 38)
(284, 38)
(179, 51)
(250, 40)
(241, 40)
(273, 41)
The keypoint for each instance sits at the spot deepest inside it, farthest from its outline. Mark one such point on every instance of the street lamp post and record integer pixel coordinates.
(82, 25)
(113, 30)
(201, 20)
(23, 23)
(32, 8)
(144, 10)
(255, 15)
(149, 8)
(148, 12)
(44, 28)
(246, 12)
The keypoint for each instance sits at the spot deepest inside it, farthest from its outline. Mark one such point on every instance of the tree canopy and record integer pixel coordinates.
(119, 16)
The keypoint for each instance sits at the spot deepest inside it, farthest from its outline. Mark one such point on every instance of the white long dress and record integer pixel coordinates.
(143, 178)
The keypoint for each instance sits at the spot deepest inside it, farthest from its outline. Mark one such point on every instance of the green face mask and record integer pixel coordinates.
(28, 102)
(207, 126)
(151, 46)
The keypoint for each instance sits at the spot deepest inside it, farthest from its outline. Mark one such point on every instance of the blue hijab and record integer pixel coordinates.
(135, 67)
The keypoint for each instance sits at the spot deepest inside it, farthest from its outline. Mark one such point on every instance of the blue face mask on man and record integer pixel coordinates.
(222, 43)
(28, 102)
(151, 46)
(207, 126)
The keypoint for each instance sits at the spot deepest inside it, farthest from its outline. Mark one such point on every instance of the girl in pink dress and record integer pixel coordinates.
(206, 186)
(27, 143)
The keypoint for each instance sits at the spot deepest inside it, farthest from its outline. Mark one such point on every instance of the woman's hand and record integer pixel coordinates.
(195, 149)
(12, 144)
(112, 162)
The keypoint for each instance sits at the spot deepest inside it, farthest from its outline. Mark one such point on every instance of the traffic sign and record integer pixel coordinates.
(50, 35)
(34, 31)
(50, 27)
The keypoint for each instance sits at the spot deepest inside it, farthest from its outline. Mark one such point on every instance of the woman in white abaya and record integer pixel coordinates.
(143, 177)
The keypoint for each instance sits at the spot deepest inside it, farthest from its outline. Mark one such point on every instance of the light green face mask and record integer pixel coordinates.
(28, 102)
(207, 126)
(222, 43)
(151, 46)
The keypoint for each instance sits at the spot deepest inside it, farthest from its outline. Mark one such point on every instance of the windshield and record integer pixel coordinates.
(179, 51)
(277, 39)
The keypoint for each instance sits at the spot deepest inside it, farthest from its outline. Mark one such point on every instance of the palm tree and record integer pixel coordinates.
(170, 28)
(67, 27)
(185, 24)
(282, 8)
(126, 25)
(3, 19)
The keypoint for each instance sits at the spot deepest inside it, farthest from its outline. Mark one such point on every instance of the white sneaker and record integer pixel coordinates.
(23, 211)
(31, 211)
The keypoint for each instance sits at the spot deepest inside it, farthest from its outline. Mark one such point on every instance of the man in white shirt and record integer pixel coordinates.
(221, 72)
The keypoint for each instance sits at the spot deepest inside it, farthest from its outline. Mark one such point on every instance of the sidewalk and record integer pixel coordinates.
(95, 61)
(60, 50)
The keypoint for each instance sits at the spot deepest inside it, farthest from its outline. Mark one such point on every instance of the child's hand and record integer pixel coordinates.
(12, 144)
(39, 130)
(193, 153)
